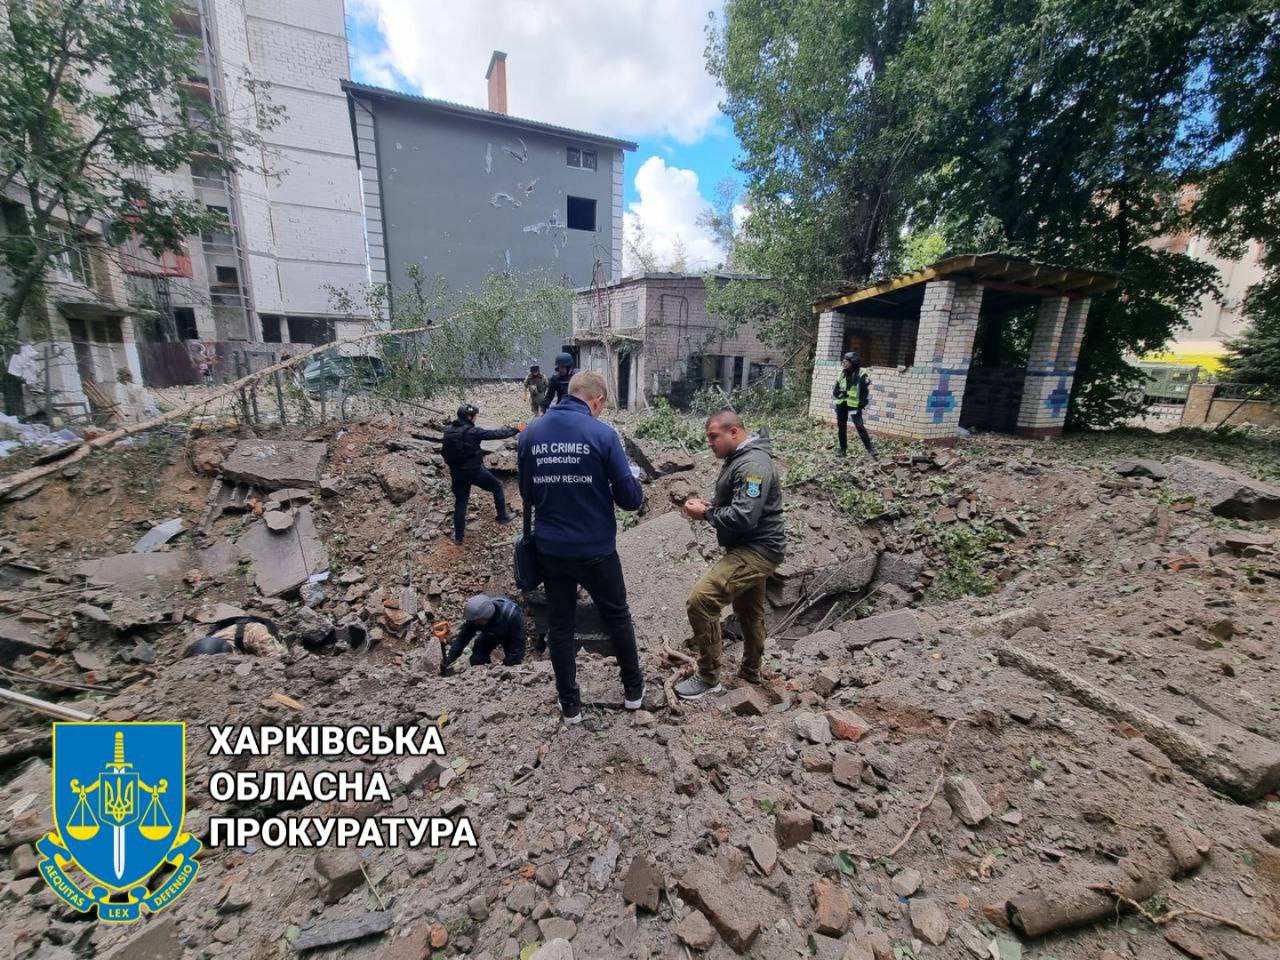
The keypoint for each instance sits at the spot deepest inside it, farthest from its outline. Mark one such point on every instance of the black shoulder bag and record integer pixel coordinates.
(528, 572)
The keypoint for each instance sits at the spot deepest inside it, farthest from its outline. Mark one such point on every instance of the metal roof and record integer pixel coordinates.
(1008, 274)
(486, 116)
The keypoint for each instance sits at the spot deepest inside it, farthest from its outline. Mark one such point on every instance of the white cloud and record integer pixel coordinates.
(669, 205)
(632, 68)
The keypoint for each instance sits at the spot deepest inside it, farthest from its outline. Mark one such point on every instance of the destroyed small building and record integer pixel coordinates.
(651, 336)
(933, 342)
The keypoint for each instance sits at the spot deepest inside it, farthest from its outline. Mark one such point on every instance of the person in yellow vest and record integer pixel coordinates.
(851, 393)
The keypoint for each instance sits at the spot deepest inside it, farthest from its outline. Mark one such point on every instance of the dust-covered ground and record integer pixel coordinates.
(1004, 673)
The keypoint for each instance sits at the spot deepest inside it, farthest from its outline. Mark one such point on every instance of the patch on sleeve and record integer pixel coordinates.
(753, 485)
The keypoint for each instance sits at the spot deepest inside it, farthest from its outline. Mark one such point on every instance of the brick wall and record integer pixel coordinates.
(1051, 365)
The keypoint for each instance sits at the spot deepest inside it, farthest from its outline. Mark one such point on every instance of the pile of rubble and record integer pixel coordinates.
(917, 778)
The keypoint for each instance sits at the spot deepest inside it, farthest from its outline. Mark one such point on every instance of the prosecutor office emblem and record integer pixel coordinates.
(119, 798)
(753, 485)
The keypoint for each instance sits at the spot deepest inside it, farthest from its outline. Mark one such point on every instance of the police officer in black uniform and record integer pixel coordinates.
(558, 388)
(461, 451)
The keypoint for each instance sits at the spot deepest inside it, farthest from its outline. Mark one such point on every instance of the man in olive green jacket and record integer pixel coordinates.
(747, 515)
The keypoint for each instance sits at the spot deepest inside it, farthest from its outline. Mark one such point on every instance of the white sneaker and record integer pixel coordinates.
(574, 720)
(638, 702)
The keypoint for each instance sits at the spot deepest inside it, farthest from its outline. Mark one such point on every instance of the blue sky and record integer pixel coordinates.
(632, 69)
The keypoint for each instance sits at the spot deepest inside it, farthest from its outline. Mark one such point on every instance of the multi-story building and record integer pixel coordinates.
(463, 193)
(295, 231)
(293, 243)
(651, 336)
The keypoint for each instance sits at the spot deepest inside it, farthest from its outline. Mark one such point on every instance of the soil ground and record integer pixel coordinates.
(1121, 582)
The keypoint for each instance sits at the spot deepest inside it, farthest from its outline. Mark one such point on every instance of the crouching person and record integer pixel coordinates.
(491, 622)
(747, 515)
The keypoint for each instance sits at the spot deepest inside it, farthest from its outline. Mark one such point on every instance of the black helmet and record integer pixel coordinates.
(467, 411)
(535, 369)
(853, 358)
(564, 360)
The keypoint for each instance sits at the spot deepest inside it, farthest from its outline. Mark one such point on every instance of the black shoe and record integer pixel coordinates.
(506, 517)
(446, 670)
(842, 453)
(457, 539)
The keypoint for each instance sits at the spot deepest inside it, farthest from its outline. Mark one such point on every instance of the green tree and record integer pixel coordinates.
(1061, 130)
(1238, 184)
(95, 98)
(1254, 358)
(828, 149)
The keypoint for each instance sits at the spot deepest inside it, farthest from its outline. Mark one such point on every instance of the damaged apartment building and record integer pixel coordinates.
(651, 336)
(464, 193)
(114, 318)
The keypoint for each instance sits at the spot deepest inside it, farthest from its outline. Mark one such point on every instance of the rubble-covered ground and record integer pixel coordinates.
(1006, 672)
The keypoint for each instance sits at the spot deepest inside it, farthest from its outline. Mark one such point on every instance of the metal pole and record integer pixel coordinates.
(244, 397)
(48, 386)
(253, 390)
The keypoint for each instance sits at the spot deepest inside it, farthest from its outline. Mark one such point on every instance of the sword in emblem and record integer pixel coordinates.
(120, 805)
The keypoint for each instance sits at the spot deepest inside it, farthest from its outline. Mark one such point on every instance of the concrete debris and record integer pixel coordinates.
(159, 535)
(722, 904)
(746, 701)
(966, 800)
(398, 477)
(278, 521)
(346, 930)
(764, 851)
(832, 907)
(283, 563)
(846, 725)
(339, 873)
(929, 921)
(275, 464)
(558, 949)
(898, 625)
(793, 827)
(1141, 468)
(643, 884)
(1227, 492)
(812, 727)
(696, 931)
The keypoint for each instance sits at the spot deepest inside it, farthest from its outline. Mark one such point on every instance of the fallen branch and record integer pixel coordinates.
(1187, 910)
(688, 666)
(23, 477)
(933, 795)
(1249, 772)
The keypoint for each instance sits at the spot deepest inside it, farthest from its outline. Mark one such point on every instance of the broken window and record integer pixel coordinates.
(184, 318)
(581, 214)
(71, 261)
(270, 328)
(226, 276)
(581, 159)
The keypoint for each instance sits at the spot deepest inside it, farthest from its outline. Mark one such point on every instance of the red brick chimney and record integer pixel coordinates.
(497, 77)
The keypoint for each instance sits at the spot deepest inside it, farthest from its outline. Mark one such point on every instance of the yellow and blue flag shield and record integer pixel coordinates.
(119, 797)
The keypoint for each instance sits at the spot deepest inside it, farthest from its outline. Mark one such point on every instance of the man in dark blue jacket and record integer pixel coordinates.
(461, 451)
(573, 471)
(558, 387)
(492, 622)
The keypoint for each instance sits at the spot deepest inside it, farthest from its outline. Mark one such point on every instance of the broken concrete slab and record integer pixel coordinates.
(275, 464)
(1227, 492)
(897, 625)
(151, 573)
(159, 535)
(17, 640)
(281, 563)
(398, 477)
(278, 521)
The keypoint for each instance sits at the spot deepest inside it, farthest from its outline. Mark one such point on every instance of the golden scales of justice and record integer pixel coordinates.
(116, 805)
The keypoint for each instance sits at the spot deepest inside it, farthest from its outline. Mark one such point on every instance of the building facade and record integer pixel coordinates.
(464, 193)
(651, 336)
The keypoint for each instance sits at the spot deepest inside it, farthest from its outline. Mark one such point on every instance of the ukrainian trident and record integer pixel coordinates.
(118, 805)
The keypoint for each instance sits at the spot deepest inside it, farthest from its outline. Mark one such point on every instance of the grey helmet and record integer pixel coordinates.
(564, 360)
(853, 358)
(479, 607)
(467, 411)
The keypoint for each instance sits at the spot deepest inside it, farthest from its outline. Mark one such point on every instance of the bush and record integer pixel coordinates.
(667, 426)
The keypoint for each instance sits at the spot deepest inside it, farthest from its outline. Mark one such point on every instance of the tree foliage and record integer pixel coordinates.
(878, 133)
(469, 334)
(96, 101)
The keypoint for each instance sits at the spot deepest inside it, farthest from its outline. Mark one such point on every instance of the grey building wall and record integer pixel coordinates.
(467, 197)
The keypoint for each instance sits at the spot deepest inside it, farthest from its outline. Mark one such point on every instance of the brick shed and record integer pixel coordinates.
(935, 345)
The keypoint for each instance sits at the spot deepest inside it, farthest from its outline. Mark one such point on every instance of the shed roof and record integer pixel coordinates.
(1012, 279)
(485, 116)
